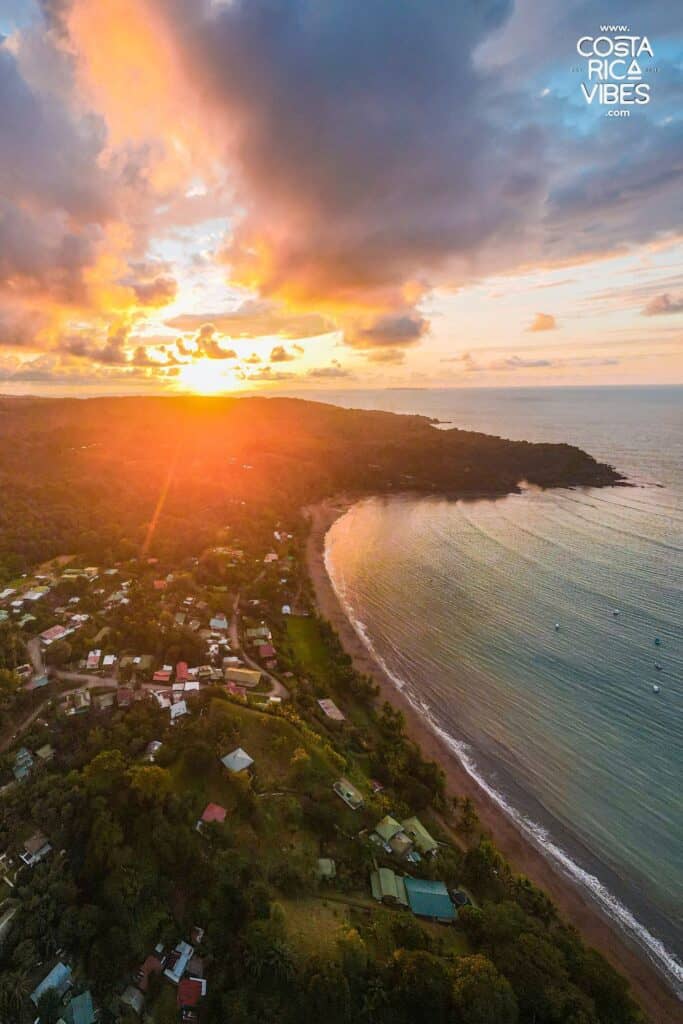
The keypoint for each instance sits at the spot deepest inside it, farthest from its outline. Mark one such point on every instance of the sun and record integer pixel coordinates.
(207, 377)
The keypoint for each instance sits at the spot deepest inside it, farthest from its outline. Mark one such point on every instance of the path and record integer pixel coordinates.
(277, 689)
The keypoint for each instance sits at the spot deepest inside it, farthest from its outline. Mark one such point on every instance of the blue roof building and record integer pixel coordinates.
(59, 978)
(430, 899)
(80, 1010)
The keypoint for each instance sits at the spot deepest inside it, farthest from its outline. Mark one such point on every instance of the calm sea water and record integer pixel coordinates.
(562, 726)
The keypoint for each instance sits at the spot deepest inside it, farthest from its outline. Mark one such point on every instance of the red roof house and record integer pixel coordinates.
(124, 696)
(266, 651)
(214, 812)
(181, 673)
(190, 991)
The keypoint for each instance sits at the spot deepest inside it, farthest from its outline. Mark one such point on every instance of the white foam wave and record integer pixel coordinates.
(657, 952)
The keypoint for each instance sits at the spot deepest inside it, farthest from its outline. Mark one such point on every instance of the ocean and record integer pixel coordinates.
(528, 630)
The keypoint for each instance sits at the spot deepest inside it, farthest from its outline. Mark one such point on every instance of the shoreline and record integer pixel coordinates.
(652, 992)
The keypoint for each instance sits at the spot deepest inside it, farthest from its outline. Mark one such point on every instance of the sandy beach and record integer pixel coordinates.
(657, 999)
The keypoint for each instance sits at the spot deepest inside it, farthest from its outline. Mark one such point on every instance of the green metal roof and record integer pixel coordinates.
(423, 840)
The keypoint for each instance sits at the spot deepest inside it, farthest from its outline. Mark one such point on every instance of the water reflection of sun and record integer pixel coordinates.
(207, 377)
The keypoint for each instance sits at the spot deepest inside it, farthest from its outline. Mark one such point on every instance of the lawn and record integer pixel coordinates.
(314, 925)
(308, 648)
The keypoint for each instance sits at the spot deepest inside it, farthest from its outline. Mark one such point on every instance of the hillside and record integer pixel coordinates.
(71, 468)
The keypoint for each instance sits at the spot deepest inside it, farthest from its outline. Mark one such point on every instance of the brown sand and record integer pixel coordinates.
(650, 989)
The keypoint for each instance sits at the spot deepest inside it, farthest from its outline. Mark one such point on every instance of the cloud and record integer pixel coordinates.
(267, 373)
(386, 355)
(280, 355)
(543, 322)
(662, 304)
(330, 372)
(209, 346)
(253, 359)
(257, 319)
(405, 328)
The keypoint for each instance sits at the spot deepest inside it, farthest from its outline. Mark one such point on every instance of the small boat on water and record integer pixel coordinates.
(658, 666)
(658, 642)
(615, 612)
(655, 688)
(557, 626)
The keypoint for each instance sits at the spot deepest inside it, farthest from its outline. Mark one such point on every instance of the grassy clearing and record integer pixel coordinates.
(314, 925)
(308, 648)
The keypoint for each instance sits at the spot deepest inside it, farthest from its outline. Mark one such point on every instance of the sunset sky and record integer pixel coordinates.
(220, 195)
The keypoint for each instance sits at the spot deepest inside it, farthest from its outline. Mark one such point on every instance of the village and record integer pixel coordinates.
(234, 656)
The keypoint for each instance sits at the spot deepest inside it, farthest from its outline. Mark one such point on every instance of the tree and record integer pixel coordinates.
(327, 994)
(49, 1006)
(480, 994)
(151, 783)
(58, 653)
(14, 988)
(419, 985)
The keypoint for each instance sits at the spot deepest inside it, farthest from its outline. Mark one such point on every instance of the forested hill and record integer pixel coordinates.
(79, 472)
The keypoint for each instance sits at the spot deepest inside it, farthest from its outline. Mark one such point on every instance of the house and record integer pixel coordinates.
(177, 961)
(211, 813)
(93, 661)
(391, 835)
(80, 1010)
(259, 633)
(49, 636)
(162, 675)
(109, 661)
(237, 761)
(125, 696)
(425, 843)
(190, 991)
(23, 763)
(59, 979)
(348, 793)
(160, 584)
(325, 869)
(151, 965)
(219, 622)
(388, 887)
(331, 710)
(152, 749)
(133, 998)
(266, 651)
(178, 710)
(430, 899)
(181, 672)
(45, 753)
(80, 701)
(35, 849)
(244, 676)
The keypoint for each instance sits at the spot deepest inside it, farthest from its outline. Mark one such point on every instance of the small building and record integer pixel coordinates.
(23, 764)
(286, 609)
(266, 651)
(181, 672)
(331, 710)
(178, 710)
(325, 869)
(93, 661)
(109, 661)
(162, 675)
(212, 813)
(35, 849)
(59, 979)
(80, 1010)
(102, 701)
(423, 841)
(190, 991)
(177, 961)
(243, 676)
(151, 965)
(125, 696)
(388, 887)
(80, 700)
(430, 899)
(49, 636)
(259, 633)
(237, 761)
(133, 998)
(45, 753)
(393, 838)
(219, 622)
(152, 749)
(348, 793)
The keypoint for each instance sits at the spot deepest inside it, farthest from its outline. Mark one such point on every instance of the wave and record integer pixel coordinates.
(658, 954)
